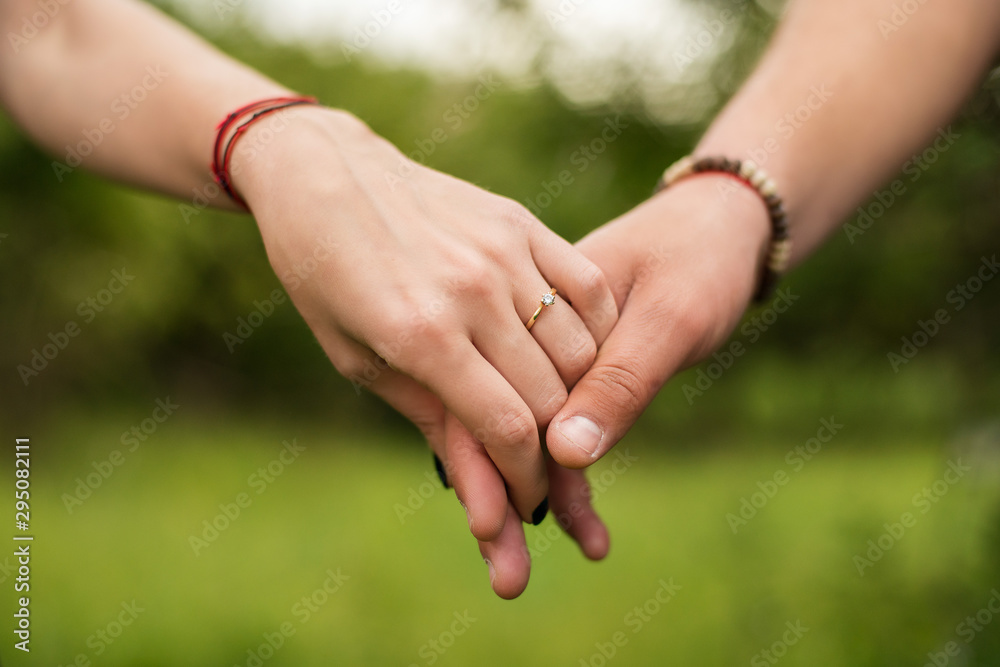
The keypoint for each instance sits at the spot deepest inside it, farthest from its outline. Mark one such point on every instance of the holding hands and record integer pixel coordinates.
(491, 333)
(427, 283)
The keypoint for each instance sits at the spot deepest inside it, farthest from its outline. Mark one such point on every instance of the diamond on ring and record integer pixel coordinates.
(547, 300)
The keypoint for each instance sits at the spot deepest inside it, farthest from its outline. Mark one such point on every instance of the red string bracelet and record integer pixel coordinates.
(256, 110)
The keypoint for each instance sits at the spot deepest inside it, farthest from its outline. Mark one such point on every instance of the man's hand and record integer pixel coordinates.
(682, 267)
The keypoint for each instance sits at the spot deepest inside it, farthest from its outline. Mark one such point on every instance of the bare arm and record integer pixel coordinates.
(123, 66)
(420, 284)
(883, 82)
(868, 93)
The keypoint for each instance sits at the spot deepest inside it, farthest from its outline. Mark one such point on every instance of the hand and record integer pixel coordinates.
(503, 546)
(682, 267)
(418, 286)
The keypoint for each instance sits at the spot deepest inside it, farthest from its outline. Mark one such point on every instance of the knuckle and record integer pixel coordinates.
(472, 279)
(513, 430)
(350, 367)
(624, 389)
(516, 216)
(552, 405)
(578, 353)
(430, 425)
(592, 282)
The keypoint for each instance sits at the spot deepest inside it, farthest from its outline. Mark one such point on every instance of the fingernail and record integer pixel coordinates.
(467, 515)
(493, 573)
(583, 433)
(539, 514)
(440, 471)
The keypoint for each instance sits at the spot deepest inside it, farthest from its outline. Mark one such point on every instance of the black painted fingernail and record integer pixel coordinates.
(440, 471)
(539, 514)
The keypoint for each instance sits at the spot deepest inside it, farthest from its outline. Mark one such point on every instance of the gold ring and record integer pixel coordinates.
(547, 300)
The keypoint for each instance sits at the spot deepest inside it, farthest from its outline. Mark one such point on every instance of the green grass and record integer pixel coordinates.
(333, 509)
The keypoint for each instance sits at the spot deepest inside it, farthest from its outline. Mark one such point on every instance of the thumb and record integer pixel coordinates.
(631, 366)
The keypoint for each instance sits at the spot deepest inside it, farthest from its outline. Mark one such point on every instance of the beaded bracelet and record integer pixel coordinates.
(747, 172)
(221, 158)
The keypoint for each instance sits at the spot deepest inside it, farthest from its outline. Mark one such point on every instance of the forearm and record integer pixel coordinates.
(118, 78)
(868, 96)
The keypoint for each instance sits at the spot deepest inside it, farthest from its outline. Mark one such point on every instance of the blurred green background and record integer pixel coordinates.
(334, 514)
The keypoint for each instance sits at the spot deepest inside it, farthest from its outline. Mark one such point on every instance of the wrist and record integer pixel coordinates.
(737, 221)
(297, 147)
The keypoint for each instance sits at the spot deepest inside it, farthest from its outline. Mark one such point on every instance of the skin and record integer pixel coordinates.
(889, 94)
(456, 270)
(680, 268)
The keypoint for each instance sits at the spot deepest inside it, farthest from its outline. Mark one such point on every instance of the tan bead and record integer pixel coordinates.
(779, 255)
(678, 170)
(769, 188)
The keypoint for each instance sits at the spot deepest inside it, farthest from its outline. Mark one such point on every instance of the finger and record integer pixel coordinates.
(631, 366)
(507, 559)
(564, 338)
(512, 351)
(569, 494)
(475, 392)
(478, 484)
(580, 282)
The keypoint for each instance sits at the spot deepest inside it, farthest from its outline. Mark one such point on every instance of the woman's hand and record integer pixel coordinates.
(418, 286)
